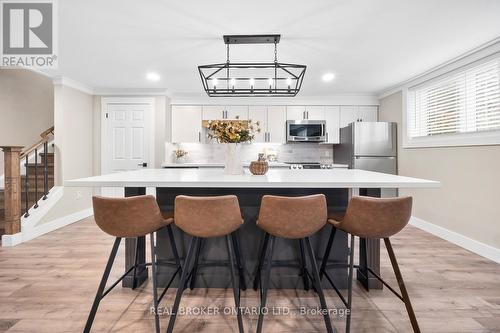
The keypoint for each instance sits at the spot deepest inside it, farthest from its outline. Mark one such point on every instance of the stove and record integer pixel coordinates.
(309, 165)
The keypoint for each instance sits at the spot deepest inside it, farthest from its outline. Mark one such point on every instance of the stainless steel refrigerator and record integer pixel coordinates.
(369, 146)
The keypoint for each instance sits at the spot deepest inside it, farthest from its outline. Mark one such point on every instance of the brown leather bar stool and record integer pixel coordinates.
(291, 218)
(368, 217)
(201, 218)
(131, 217)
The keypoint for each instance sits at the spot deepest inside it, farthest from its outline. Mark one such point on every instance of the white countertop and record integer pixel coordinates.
(275, 178)
(216, 165)
(221, 165)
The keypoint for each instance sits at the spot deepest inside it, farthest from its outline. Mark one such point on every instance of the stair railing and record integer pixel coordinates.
(43, 143)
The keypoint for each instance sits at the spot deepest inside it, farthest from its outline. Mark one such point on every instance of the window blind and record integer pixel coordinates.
(463, 102)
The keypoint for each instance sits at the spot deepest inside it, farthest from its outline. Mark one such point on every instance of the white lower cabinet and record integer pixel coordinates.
(186, 123)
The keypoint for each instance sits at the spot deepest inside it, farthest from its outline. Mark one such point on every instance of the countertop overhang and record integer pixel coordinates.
(275, 178)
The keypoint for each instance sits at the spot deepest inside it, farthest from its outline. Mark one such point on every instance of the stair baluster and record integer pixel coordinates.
(45, 171)
(36, 179)
(26, 187)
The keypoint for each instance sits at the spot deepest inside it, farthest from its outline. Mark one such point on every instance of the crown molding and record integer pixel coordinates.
(131, 92)
(67, 82)
(340, 99)
(480, 51)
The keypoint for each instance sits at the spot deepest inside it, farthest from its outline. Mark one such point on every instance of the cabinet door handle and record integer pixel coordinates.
(327, 137)
(199, 136)
(307, 114)
(268, 137)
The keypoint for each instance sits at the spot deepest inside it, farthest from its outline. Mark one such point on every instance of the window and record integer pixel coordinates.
(465, 102)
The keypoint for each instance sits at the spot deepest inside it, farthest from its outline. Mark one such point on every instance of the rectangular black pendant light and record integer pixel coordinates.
(258, 79)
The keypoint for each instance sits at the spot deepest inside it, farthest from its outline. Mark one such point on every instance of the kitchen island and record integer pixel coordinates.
(337, 185)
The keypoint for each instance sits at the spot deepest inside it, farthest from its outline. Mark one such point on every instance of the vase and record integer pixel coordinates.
(233, 164)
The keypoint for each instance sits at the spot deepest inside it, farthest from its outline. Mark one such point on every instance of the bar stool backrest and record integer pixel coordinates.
(292, 217)
(127, 217)
(376, 217)
(207, 216)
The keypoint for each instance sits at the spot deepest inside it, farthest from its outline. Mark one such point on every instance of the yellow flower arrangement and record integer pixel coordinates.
(232, 131)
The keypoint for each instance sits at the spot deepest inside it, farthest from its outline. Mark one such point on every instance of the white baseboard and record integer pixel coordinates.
(467, 243)
(34, 232)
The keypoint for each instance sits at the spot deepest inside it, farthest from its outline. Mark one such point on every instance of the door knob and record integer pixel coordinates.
(144, 165)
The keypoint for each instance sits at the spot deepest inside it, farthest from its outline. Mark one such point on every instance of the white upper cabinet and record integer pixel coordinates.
(276, 120)
(368, 113)
(186, 123)
(236, 112)
(187, 119)
(315, 112)
(213, 112)
(332, 117)
(219, 112)
(295, 112)
(272, 122)
(257, 113)
(350, 114)
(312, 112)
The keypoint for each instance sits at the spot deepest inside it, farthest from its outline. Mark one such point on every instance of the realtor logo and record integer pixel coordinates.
(28, 34)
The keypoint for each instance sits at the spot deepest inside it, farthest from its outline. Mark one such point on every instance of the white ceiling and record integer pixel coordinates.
(369, 45)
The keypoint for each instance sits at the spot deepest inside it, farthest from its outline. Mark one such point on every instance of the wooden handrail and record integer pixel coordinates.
(47, 132)
(45, 138)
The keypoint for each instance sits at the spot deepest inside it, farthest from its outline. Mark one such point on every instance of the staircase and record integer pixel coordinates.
(36, 177)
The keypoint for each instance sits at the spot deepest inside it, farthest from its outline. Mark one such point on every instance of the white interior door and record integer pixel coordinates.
(127, 141)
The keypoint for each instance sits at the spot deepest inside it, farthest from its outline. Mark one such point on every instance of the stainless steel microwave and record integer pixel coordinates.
(305, 130)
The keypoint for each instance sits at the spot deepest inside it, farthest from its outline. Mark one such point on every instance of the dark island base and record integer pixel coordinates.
(250, 239)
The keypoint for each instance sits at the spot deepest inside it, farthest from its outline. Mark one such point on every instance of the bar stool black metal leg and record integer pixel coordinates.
(194, 243)
(262, 256)
(237, 254)
(363, 248)
(326, 255)
(303, 270)
(102, 285)
(402, 287)
(136, 261)
(349, 286)
(317, 283)
(174, 248)
(268, 255)
(195, 266)
(236, 288)
(154, 277)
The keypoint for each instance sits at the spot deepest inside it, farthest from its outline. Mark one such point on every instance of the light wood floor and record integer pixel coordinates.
(48, 284)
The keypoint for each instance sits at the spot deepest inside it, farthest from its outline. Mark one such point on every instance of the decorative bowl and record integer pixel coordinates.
(259, 167)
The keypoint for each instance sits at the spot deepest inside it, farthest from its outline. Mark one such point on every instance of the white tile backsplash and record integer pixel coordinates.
(214, 153)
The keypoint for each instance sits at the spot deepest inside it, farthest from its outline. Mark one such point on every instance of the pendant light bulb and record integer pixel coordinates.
(214, 82)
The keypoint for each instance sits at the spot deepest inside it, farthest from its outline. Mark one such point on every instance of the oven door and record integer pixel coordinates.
(305, 131)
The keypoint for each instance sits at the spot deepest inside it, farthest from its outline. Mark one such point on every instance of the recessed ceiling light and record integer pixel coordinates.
(327, 77)
(151, 76)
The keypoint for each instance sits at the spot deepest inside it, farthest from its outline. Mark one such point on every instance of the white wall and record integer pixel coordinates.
(26, 108)
(468, 202)
(73, 149)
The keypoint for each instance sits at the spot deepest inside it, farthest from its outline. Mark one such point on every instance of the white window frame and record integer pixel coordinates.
(450, 140)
